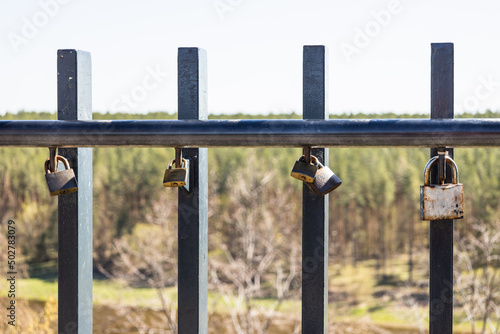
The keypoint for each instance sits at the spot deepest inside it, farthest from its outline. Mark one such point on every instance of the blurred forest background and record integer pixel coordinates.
(378, 249)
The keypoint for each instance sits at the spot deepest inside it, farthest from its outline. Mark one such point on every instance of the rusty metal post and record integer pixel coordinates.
(193, 205)
(441, 231)
(74, 102)
(315, 207)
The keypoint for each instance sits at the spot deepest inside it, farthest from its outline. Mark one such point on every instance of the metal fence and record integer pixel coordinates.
(74, 133)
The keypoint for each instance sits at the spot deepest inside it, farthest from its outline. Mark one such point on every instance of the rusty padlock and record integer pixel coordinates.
(305, 171)
(62, 182)
(325, 181)
(177, 177)
(441, 201)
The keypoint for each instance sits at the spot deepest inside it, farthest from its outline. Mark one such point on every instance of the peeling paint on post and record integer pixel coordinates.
(193, 205)
(441, 231)
(74, 102)
(315, 207)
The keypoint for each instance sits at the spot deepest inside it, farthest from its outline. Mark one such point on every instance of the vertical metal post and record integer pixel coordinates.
(315, 207)
(74, 102)
(193, 205)
(441, 231)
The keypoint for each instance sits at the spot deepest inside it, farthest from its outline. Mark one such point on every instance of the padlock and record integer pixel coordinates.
(441, 201)
(305, 171)
(325, 181)
(177, 177)
(62, 182)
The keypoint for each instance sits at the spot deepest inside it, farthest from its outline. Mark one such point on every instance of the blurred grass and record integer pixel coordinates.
(357, 294)
(114, 292)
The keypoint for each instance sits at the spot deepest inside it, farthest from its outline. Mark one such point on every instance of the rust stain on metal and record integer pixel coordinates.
(441, 201)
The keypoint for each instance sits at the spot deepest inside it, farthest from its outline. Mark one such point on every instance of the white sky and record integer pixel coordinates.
(254, 52)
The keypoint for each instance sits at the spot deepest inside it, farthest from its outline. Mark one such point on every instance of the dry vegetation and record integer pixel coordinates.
(378, 247)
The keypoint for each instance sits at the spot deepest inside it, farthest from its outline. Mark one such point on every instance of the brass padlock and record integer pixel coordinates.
(305, 171)
(62, 182)
(177, 177)
(325, 181)
(441, 201)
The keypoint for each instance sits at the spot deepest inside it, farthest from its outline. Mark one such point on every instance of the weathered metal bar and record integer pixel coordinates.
(74, 102)
(441, 231)
(253, 133)
(193, 205)
(315, 207)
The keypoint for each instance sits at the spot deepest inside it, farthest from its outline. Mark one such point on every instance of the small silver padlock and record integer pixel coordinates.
(305, 171)
(177, 177)
(441, 201)
(62, 182)
(325, 181)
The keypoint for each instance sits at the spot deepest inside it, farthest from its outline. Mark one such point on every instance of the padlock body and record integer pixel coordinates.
(62, 182)
(325, 181)
(442, 201)
(175, 177)
(304, 171)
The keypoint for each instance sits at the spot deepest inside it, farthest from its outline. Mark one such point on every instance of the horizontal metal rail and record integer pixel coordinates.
(253, 133)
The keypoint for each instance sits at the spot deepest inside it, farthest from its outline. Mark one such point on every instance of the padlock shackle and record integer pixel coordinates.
(314, 160)
(171, 163)
(53, 159)
(178, 157)
(307, 154)
(320, 165)
(58, 158)
(432, 161)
